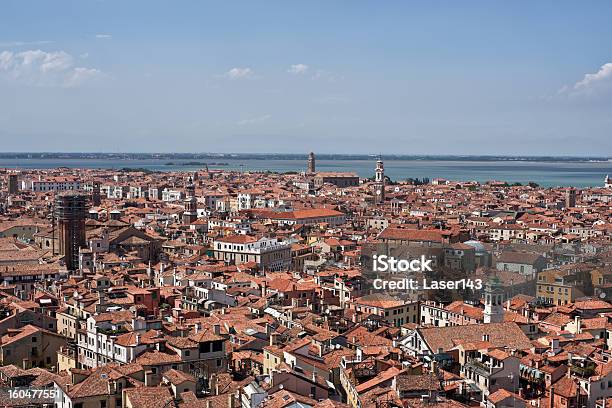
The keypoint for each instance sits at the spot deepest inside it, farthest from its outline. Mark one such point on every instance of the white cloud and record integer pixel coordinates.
(298, 69)
(6, 60)
(40, 68)
(604, 73)
(240, 73)
(81, 75)
(104, 36)
(253, 121)
(591, 83)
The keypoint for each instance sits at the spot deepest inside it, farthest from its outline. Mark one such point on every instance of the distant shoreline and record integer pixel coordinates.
(195, 163)
(196, 157)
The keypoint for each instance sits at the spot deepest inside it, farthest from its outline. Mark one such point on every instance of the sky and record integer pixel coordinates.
(366, 77)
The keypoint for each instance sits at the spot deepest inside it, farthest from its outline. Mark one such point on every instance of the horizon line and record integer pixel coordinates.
(320, 153)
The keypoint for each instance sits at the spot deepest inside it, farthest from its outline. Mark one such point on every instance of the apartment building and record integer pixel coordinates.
(52, 184)
(269, 254)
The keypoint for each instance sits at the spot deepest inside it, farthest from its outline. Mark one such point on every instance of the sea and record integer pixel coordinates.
(545, 173)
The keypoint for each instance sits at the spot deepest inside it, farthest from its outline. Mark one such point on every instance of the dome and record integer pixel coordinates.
(477, 245)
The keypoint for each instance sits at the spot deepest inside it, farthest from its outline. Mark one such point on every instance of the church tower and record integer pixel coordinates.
(191, 204)
(494, 302)
(379, 182)
(311, 164)
(570, 198)
(608, 182)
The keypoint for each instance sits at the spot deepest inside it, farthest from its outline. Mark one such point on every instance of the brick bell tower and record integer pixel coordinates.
(191, 204)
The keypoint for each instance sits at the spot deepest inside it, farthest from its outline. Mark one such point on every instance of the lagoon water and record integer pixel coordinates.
(562, 173)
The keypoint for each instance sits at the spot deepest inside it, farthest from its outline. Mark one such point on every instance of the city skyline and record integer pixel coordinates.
(322, 204)
(406, 78)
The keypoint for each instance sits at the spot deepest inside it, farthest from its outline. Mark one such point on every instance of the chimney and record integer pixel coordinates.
(137, 339)
(212, 384)
(198, 327)
(554, 345)
(13, 332)
(148, 378)
(112, 387)
(578, 323)
(208, 404)
(273, 339)
(231, 403)
(552, 397)
(217, 329)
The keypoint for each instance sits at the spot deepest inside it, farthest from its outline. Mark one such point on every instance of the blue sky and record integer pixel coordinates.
(491, 77)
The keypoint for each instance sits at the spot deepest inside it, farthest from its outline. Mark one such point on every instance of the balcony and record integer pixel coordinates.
(111, 332)
(480, 367)
(585, 370)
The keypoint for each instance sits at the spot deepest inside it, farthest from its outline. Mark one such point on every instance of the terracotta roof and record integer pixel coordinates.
(424, 382)
(499, 335)
(405, 234)
(150, 397)
(178, 377)
(379, 300)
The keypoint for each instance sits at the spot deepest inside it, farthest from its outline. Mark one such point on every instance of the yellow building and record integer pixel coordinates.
(557, 287)
(65, 360)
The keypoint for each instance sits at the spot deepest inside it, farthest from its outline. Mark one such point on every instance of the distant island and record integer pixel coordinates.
(195, 163)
